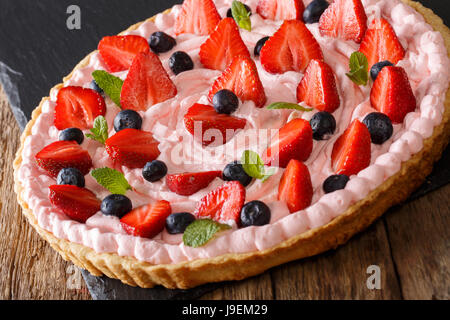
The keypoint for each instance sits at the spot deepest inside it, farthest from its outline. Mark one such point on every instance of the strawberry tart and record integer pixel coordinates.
(221, 138)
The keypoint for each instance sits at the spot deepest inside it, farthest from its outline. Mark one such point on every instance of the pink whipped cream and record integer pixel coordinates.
(426, 64)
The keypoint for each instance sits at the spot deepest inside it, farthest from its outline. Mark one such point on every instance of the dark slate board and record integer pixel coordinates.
(37, 50)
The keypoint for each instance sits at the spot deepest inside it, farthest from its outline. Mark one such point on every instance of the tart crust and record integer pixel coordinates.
(239, 266)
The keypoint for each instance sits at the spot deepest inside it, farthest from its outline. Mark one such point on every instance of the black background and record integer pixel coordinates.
(37, 51)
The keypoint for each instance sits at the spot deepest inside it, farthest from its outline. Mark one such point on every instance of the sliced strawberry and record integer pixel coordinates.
(118, 52)
(351, 152)
(64, 154)
(223, 204)
(296, 187)
(222, 46)
(242, 78)
(318, 87)
(198, 17)
(209, 119)
(132, 148)
(392, 94)
(77, 203)
(186, 184)
(281, 9)
(381, 43)
(77, 107)
(291, 48)
(147, 83)
(294, 141)
(147, 221)
(344, 19)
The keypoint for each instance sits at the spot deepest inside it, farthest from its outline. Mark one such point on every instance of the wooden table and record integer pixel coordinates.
(410, 244)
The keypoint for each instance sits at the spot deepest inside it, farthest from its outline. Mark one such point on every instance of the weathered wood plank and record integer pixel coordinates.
(30, 269)
(256, 288)
(420, 242)
(341, 274)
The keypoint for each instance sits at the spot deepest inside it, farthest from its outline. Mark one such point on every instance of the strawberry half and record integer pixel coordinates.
(147, 83)
(291, 48)
(392, 94)
(294, 141)
(381, 43)
(222, 46)
(77, 203)
(351, 152)
(147, 221)
(242, 78)
(77, 107)
(222, 204)
(296, 187)
(186, 184)
(344, 19)
(64, 154)
(210, 119)
(198, 17)
(132, 148)
(281, 9)
(318, 87)
(118, 52)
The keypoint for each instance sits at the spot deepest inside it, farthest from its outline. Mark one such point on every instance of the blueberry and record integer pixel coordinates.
(154, 171)
(376, 68)
(380, 127)
(225, 101)
(71, 176)
(259, 45)
(314, 10)
(94, 86)
(335, 182)
(161, 42)
(235, 172)
(72, 134)
(255, 213)
(230, 13)
(116, 205)
(178, 222)
(323, 125)
(127, 119)
(180, 61)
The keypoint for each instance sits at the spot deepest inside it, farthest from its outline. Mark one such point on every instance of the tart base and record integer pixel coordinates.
(240, 266)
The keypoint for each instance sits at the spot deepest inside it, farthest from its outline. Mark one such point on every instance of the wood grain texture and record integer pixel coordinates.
(420, 242)
(410, 244)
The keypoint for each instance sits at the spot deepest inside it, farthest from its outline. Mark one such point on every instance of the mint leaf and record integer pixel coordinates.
(200, 232)
(287, 105)
(241, 15)
(100, 130)
(254, 166)
(110, 84)
(359, 68)
(112, 180)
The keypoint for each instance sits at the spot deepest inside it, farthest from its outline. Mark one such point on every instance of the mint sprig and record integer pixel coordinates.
(359, 68)
(110, 84)
(99, 131)
(287, 105)
(200, 232)
(112, 180)
(254, 166)
(241, 15)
